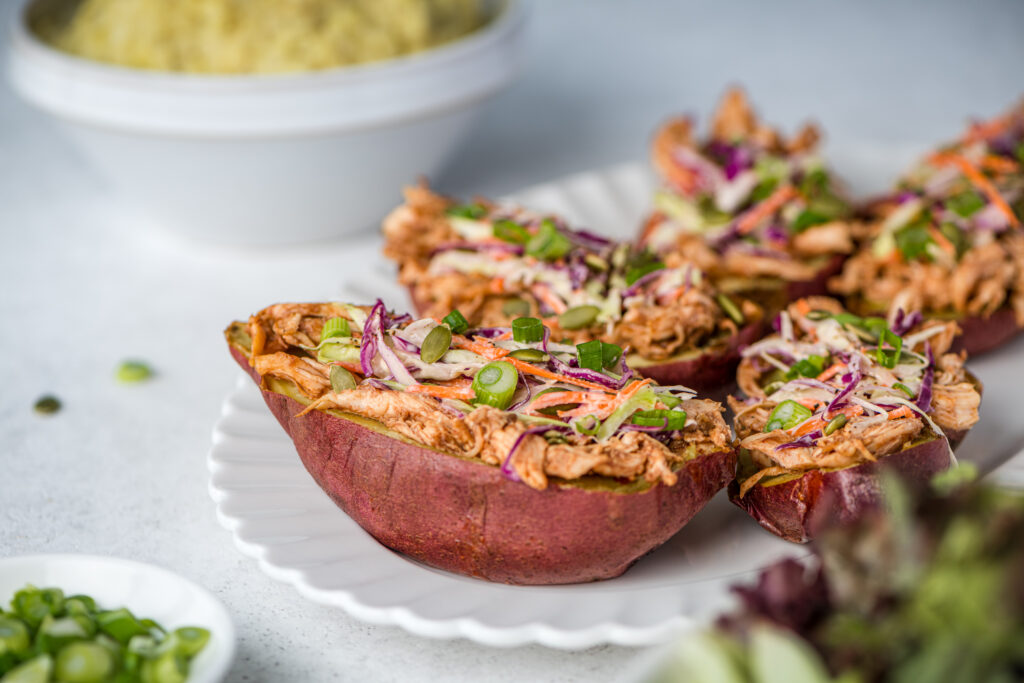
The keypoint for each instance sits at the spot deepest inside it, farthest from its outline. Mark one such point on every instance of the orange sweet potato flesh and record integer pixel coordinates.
(464, 516)
(796, 508)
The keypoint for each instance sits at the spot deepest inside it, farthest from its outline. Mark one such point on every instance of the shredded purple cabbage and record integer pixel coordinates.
(405, 345)
(777, 233)
(376, 383)
(642, 282)
(585, 374)
(805, 441)
(488, 332)
(369, 342)
(924, 397)
(904, 322)
(840, 398)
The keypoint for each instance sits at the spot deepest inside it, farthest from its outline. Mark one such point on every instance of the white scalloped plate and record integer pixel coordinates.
(278, 515)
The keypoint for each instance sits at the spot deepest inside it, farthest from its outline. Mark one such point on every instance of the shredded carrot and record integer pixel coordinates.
(978, 180)
(985, 130)
(479, 346)
(543, 292)
(557, 398)
(998, 164)
(802, 307)
(438, 391)
(942, 240)
(902, 411)
(497, 285)
(752, 218)
(831, 372)
(652, 222)
(504, 335)
(547, 374)
(810, 426)
(351, 367)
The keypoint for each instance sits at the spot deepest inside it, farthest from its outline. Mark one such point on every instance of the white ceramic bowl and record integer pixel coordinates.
(270, 159)
(147, 591)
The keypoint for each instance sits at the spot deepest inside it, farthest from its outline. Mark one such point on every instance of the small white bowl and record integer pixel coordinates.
(270, 159)
(148, 591)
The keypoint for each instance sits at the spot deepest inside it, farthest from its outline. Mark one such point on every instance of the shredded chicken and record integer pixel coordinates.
(657, 331)
(485, 433)
(955, 406)
(824, 240)
(863, 440)
(987, 278)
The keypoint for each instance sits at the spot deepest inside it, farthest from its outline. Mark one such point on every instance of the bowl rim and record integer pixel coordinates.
(506, 19)
(344, 100)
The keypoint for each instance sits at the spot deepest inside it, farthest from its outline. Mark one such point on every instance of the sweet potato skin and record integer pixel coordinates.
(980, 334)
(708, 371)
(796, 508)
(466, 517)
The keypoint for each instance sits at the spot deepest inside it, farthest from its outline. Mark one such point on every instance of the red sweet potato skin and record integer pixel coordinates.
(709, 371)
(818, 286)
(466, 517)
(982, 334)
(796, 508)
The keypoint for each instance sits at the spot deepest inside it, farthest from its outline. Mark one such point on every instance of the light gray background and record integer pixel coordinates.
(84, 283)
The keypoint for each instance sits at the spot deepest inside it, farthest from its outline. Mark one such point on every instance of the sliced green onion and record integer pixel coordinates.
(812, 366)
(636, 272)
(807, 219)
(32, 604)
(120, 624)
(456, 321)
(47, 405)
(966, 203)
(471, 211)
(84, 662)
(772, 387)
(587, 425)
(595, 262)
(730, 309)
(905, 389)
(610, 355)
(889, 358)
(527, 330)
(191, 639)
(167, 668)
(36, 670)
(669, 400)
(514, 308)
(335, 327)
(131, 371)
(436, 344)
(495, 384)
(548, 244)
(834, 425)
(14, 636)
(590, 355)
(530, 355)
(671, 420)
(578, 317)
(510, 231)
(787, 415)
(55, 633)
(341, 379)
(818, 315)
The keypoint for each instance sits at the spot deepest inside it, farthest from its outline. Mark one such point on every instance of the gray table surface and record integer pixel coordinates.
(83, 284)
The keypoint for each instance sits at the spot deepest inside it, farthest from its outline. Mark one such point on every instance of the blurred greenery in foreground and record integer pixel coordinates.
(929, 591)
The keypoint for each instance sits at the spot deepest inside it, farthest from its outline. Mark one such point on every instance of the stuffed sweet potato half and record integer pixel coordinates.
(834, 397)
(499, 455)
(948, 241)
(760, 214)
(494, 263)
